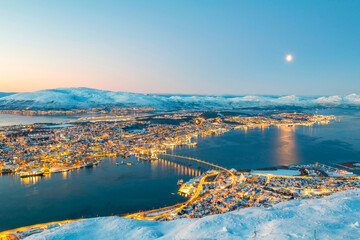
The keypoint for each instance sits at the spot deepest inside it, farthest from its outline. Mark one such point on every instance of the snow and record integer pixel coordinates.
(333, 217)
(59, 126)
(86, 98)
(352, 99)
(278, 172)
(75, 98)
(339, 174)
(4, 94)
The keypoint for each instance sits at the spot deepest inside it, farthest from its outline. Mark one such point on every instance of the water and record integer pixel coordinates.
(8, 119)
(109, 189)
(104, 190)
(257, 148)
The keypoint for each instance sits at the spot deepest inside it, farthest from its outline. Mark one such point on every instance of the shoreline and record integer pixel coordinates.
(196, 196)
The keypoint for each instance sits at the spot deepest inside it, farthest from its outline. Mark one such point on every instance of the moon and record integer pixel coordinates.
(289, 58)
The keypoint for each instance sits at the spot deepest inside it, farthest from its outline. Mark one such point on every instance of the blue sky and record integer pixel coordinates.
(201, 47)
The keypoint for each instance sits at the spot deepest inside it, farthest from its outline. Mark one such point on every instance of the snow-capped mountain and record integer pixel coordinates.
(4, 94)
(68, 98)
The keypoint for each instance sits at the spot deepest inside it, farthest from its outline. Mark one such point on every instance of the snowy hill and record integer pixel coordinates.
(4, 94)
(68, 98)
(333, 217)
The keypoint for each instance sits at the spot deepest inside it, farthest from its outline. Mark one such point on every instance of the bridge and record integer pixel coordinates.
(190, 161)
(179, 167)
(167, 211)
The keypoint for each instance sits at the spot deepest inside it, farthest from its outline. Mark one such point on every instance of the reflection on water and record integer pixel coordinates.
(104, 190)
(287, 152)
(64, 175)
(179, 168)
(30, 180)
(47, 176)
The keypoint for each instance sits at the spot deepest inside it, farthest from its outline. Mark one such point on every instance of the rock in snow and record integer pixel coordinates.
(332, 217)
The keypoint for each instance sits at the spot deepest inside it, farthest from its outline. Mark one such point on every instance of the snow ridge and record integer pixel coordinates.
(4, 94)
(68, 98)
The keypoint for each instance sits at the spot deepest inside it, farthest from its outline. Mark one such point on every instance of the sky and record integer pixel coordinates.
(188, 47)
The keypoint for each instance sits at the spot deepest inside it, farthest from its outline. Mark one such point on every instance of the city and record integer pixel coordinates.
(178, 120)
(39, 149)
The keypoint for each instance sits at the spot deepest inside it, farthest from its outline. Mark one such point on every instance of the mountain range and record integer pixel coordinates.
(70, 98)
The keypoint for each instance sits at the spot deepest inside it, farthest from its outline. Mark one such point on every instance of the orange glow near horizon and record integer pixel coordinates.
(287, 152)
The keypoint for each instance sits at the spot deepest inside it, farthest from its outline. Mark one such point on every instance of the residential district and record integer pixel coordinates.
(223, 192)
(227, 190)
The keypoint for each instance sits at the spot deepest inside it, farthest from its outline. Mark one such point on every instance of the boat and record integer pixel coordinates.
(31, 173)
(180, 182)
(192, 144)
(146, 158)
(89, 165)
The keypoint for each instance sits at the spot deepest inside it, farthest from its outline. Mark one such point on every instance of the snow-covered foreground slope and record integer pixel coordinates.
(67, 98)
(333, 217)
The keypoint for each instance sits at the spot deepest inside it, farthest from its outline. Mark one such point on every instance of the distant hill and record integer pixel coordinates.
(4, 94)
(70, 98)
